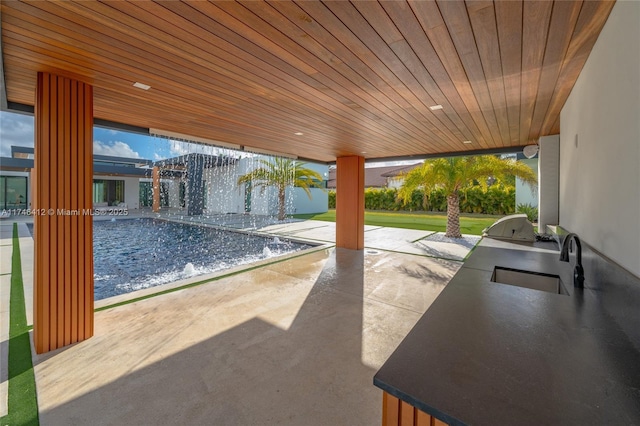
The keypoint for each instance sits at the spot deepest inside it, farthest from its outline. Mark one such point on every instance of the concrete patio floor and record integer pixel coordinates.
(295, 342)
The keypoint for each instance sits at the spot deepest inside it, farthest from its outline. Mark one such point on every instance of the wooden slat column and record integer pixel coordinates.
(155, 174)
(62, 199)
(350, 203)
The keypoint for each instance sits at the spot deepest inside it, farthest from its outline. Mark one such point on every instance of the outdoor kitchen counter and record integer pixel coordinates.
(489, 353)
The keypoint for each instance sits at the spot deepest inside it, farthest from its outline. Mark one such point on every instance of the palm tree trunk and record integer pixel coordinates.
(281, 203)
(453, 216)
(425, 199)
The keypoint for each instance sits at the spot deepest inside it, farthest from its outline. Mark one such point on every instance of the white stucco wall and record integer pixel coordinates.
(395, 182)
(524, 193)
(265, 203)
(225, 196)
(319, 202)
(548, 181)
(300, 202)
(132, 192)
(600, 143)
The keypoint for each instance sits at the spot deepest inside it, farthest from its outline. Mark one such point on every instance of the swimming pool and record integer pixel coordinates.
(134, 254)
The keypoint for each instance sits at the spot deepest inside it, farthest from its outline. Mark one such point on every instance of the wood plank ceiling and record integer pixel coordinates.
(356, 78)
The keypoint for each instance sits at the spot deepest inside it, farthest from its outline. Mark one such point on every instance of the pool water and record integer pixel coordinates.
(134, 254)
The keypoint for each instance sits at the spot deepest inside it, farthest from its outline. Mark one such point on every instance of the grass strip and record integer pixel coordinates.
(424, 221)
(208, 280)
(23, 404)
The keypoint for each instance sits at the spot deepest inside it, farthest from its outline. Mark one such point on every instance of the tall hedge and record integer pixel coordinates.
(496, 200)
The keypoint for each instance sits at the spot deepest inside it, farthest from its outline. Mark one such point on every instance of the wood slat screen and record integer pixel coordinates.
(398, 413)
(63, 290)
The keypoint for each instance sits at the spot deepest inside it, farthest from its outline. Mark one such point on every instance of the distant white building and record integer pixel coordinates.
(120, 180)
(378, 177)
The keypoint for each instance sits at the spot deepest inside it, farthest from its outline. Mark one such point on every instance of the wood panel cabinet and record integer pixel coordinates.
(398, 413)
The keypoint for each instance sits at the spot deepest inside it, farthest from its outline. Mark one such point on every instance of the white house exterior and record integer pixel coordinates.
(134, 183)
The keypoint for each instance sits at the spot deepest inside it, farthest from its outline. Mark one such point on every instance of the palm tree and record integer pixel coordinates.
(282, 172)
(457, 173)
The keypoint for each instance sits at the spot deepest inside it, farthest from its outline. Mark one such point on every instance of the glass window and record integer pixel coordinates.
(108, 191)
(99, 192)
(13, 192)
(3, 192)
(164, 194)
(112, 164)
(146, 194)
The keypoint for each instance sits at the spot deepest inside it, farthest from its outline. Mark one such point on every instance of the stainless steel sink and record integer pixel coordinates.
(528, 279)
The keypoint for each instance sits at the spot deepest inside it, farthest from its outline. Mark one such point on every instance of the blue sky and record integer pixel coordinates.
(17, 130)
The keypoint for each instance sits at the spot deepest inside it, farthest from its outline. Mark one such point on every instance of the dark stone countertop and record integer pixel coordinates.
(489, 353)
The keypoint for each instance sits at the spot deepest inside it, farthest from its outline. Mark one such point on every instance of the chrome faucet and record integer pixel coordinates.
(578, 272)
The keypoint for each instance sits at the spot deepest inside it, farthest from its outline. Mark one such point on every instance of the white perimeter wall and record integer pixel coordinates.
(524, 193)
(319, 202)
(225, 196)
(600, 143)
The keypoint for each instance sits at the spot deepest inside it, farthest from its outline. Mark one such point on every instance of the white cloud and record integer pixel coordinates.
(114, 149)
(182, 148)
(15, 130)
(178, 148)
(392, 163)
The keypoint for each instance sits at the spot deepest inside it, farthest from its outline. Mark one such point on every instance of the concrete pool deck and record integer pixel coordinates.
(295, 342)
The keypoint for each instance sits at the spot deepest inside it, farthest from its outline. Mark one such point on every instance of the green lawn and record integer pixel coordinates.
(23, 405)
(469, 224)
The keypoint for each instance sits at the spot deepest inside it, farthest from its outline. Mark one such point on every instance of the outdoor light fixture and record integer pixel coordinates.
(530, 151)
(435, 107)
(267, 152)
(141, 86)
(298, 133)
(467, 142)
(188, 138)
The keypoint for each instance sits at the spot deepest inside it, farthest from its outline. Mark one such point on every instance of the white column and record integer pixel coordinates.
(548, 181)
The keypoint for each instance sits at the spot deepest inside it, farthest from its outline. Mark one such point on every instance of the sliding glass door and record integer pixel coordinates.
(13, 192)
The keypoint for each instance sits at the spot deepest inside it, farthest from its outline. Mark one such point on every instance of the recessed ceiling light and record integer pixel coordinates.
(141, 86)
(298, 133)
(435, 107)
(467, 142)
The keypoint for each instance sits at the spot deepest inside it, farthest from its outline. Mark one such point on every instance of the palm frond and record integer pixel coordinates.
(281, 173)
(457, 173)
